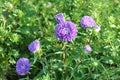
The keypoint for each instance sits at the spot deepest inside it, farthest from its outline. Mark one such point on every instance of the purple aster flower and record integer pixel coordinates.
(59, 18)
(87, 21)
(88, 49)
(66, 31)
(22, 66)
(34, 46)
(97, 28)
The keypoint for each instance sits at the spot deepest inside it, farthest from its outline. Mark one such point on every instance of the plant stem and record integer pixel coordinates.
(64, 59)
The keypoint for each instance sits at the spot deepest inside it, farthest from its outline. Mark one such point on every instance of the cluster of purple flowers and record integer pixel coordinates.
(86, 22)
(66, 31)
(23, 64)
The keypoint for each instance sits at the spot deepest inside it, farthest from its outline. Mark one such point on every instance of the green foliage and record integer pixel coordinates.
(22, 21)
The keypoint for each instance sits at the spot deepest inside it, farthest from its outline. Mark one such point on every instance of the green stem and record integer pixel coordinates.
(64, 59)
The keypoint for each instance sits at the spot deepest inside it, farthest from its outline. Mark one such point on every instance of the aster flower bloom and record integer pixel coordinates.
(66, 31)
(87, 21)
(22, 66)
(97, 28)
(59, 18)
(34, 46)
(88, 49)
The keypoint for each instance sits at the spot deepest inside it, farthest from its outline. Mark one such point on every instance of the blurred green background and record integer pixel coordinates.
(22, 21)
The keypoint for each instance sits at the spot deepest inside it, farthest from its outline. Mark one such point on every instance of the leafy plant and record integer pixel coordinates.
(23, 21)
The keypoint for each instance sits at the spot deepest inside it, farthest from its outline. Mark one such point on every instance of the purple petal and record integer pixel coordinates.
(66, 31)
(97, 28)
(87, 21)
(59, 18)
(22, 66)
(34, 46)
(88, 49)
